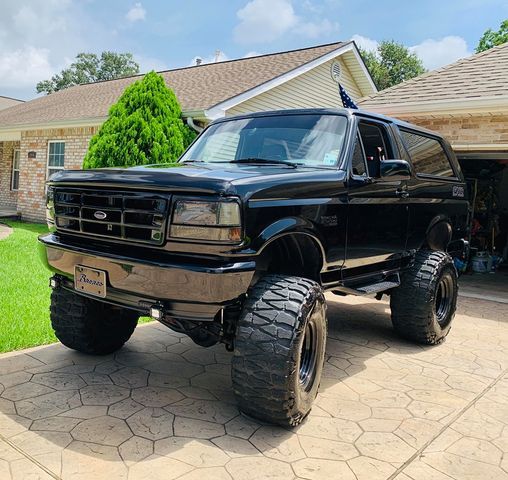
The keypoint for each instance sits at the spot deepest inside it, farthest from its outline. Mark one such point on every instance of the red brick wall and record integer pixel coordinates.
(31, 195)
(8, 198)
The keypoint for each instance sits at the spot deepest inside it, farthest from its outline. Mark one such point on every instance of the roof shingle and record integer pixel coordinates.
(482, 75)
(197, 88)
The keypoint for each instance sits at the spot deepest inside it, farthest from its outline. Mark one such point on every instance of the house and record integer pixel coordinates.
(467, 102)
(6, 102)
(52, 132)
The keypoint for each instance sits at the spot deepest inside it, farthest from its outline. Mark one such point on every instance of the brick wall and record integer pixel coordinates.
(8, 198)
(31, 195)
(490, 129)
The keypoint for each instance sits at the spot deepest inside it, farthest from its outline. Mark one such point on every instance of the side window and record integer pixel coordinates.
(15, 171)
(358, 161)
(56, 157)
(376, 146)
(427, 155)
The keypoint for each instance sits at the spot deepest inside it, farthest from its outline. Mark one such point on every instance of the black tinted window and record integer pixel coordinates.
(427, 155)
(375, 145)
(358, 162)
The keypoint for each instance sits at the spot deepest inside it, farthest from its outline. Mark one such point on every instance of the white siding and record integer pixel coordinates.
(312, 89)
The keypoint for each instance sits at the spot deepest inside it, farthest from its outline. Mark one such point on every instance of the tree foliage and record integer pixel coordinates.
(88, 67)
(491, 39)
(391, 64)
(145, 126)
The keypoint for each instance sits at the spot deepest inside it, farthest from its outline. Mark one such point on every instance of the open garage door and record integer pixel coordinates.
(486, 274)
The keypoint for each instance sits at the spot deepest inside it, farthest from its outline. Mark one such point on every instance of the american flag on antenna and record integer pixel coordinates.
(346, 99)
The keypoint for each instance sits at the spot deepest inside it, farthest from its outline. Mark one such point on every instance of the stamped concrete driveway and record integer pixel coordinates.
(163, 408)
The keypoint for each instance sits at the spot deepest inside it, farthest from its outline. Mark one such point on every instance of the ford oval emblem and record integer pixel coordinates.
(100, 215)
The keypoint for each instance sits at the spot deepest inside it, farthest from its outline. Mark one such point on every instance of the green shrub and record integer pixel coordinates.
(145, 126)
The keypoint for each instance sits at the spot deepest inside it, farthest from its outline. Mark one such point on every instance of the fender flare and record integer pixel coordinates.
(439, 233)
(286, 227)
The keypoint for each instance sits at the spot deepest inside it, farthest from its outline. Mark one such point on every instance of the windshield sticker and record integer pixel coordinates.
(331, 157)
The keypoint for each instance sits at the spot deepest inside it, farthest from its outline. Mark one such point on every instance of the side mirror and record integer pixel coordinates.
(395, 169)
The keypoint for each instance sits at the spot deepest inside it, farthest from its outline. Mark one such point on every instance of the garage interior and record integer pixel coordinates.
(486, 273)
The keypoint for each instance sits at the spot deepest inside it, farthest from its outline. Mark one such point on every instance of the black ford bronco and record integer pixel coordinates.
(238, 242)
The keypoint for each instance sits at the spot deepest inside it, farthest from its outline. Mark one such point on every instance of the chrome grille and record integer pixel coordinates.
(129, 216)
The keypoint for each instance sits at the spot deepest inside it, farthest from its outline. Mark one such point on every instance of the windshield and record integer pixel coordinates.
(309, 140)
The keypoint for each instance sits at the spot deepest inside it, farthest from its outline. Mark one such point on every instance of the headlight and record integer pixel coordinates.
(217, 221)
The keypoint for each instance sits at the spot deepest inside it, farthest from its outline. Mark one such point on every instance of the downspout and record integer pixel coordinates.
(190, 122)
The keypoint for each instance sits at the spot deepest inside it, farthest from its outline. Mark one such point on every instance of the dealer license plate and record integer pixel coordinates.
(89, 280)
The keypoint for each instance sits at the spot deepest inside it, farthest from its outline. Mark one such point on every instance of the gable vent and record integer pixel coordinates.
(335, 71)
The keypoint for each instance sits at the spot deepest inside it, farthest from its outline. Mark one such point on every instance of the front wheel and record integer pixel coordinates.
(279, 349)
(424, 305)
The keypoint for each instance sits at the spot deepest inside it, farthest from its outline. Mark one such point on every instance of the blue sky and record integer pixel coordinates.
(40, 37)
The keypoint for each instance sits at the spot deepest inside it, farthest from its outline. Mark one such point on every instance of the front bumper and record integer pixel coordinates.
(184, 290)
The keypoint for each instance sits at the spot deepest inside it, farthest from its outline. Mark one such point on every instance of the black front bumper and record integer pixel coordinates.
(184, 290)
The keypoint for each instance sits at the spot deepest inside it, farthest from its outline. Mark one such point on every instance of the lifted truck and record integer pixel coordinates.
(238, 243)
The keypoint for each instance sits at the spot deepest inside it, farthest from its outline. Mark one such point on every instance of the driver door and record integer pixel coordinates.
(378, 213)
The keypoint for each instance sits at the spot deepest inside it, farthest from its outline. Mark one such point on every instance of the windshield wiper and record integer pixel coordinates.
(265, 161)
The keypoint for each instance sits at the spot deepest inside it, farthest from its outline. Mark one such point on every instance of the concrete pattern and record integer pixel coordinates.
(163, 408)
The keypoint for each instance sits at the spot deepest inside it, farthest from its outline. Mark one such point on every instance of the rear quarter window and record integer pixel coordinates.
(427, 155)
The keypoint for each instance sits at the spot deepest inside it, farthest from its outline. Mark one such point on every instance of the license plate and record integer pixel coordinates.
(89, 280)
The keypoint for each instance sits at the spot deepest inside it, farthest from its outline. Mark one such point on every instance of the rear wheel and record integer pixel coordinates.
(280, 349)
(90, 326)
(424, 305)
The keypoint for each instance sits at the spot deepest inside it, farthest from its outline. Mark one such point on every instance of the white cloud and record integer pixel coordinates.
(433, 53)
(36, 38)
(136, 13)
(24, 67)
(315, 30)
(263, 21)
(365, 43)
(437, 53)
(147, 64)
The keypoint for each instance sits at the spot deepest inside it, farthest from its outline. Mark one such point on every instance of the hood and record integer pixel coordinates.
(222, 179)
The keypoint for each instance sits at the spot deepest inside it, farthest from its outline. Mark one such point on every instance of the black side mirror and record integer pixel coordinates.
(395, 169)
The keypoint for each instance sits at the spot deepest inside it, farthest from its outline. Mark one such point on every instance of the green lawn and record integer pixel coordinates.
(24, 291)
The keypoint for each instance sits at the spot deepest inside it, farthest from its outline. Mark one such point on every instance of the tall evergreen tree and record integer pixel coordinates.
(145, 126)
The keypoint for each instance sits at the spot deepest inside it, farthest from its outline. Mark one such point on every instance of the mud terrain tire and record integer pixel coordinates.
(89, 326)
(279, 349)
(424, 305)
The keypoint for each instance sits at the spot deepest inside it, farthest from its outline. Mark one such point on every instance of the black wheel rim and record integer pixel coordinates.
(308, 355)
(444, 299)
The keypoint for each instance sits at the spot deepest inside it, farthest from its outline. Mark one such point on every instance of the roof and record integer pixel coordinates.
(198, 88)
(473, 82)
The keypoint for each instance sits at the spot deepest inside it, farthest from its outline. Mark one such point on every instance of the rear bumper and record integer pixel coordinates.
(185, 291)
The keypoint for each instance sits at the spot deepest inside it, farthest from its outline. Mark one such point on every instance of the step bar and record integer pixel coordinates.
(371, 288)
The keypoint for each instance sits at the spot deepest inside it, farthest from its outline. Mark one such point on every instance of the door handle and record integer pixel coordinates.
(402, 193)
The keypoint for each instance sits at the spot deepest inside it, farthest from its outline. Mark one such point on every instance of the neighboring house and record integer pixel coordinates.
(52, 132)
(467, 102)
